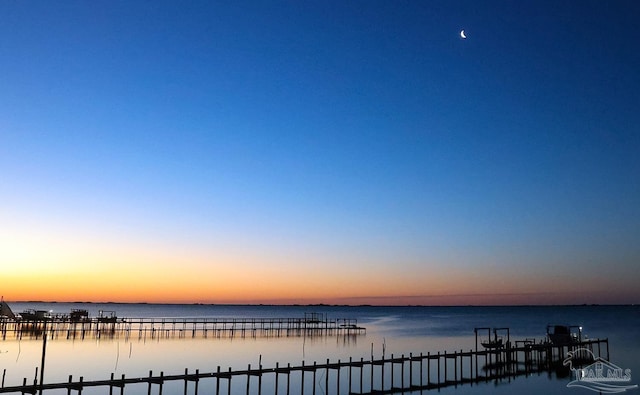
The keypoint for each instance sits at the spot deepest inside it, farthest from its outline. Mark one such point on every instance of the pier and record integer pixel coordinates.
(421, 372)
(112, 327)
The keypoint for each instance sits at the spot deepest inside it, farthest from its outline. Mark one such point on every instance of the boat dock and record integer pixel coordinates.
(390, 375)
(66, 327)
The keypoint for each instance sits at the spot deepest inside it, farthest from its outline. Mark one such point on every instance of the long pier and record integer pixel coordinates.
(64, 327)
(421, 372)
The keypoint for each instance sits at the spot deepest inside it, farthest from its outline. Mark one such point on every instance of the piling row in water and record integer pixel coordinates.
(374, 376)
(181, 327)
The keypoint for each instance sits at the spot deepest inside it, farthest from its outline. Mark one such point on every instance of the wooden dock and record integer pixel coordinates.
(354, 377)
(64, 327)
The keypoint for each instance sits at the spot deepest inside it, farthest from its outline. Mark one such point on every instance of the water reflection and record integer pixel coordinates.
(390, 331)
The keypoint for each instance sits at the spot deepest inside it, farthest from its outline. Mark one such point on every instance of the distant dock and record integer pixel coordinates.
(57, 327)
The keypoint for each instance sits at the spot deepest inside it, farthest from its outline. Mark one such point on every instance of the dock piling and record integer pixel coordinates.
(500, 363)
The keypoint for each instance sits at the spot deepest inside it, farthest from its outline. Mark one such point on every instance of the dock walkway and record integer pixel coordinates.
(354, 377)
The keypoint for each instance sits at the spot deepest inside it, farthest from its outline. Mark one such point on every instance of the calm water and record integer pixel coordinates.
(392, 330)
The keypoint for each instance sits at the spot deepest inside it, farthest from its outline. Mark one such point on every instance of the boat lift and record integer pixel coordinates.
(495, 342)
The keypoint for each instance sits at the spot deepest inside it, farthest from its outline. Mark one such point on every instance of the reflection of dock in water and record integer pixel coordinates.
(110, 326)
(386, 375)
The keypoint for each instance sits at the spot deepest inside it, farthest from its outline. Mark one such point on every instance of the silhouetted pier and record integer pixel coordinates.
(66, 327)
(354, 377)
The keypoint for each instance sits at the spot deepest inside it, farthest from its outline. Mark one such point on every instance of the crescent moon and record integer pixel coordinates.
(462, 35)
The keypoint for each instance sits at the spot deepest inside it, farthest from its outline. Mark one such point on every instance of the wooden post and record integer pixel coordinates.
(402, 372)
(218, 381)
(288, 377)
(326, 376)
(44, 353)
(149, 383)
(248, 377)
(361, 372)
(439, 366)
(314, 377)
(428, 367)
(302, 379)
(445, 366)
(350, 367)
(420, 369)
(338, 379)
(186, 381)
(260, 375)
(410, 369)
(471, 366)
(372, 365)
(276, 390)
(392, 365)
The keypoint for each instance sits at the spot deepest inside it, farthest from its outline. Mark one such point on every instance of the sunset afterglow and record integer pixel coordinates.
(319, 152)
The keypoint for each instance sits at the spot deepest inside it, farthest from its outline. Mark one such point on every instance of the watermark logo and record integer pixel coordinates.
(600, 375)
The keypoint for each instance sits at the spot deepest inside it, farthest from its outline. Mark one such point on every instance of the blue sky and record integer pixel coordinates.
(363, 136)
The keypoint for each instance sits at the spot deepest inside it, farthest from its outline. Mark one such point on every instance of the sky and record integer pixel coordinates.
(350, 152)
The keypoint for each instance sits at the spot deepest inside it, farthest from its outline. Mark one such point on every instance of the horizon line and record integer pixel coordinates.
(328, 304)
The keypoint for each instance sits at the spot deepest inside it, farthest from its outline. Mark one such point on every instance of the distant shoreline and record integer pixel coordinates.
(318, 304)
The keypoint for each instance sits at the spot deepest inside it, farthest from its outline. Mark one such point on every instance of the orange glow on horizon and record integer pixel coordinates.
(173, 285)
(52, 269)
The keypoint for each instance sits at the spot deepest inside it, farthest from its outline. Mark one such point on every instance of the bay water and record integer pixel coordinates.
(397, 330)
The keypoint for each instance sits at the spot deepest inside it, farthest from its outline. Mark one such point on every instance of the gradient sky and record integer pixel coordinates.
(320, 151)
